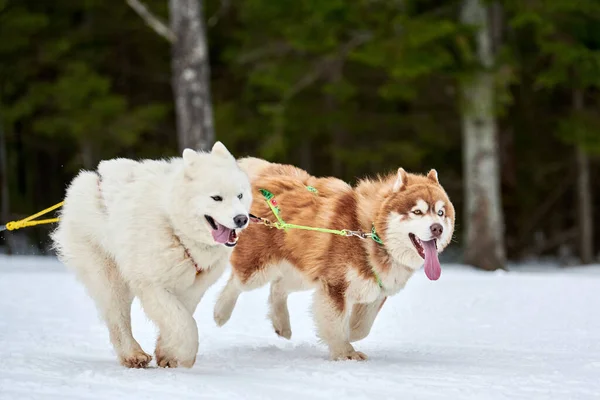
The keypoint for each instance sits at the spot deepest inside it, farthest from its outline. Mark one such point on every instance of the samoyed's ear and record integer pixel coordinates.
(219, 149)
(433, 175)
(189, 157)
(401, 180)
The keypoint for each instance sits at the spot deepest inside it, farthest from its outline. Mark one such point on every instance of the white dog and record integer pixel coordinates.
(159, 230)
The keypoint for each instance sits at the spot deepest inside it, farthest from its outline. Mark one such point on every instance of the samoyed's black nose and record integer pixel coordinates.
(240, 220)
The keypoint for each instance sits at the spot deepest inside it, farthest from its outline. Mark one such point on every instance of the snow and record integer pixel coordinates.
(528, 334)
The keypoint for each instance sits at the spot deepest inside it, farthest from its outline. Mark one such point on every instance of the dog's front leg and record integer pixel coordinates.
(178, 339)
(362, 318)
(332, 316)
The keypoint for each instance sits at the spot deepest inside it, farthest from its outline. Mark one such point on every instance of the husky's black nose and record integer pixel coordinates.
(240, 220)
(436, 230)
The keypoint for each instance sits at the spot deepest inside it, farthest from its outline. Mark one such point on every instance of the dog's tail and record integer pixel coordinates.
(253, 166)
(256, 167)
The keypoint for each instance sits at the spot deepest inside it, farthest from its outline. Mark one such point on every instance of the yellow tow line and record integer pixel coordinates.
(29, 221)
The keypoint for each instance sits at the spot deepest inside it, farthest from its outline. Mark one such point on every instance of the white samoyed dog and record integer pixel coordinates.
(159, 230)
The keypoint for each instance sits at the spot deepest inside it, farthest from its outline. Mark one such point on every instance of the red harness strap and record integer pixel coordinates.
(187, 253)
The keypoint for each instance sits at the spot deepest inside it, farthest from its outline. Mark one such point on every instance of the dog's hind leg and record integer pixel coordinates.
(112, 297)
(362, 318)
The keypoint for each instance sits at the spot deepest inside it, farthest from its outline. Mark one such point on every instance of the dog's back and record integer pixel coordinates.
(82, 214)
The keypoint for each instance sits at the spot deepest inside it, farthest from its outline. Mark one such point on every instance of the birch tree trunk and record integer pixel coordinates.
(191, 75)
(584, 196)
(483, 219)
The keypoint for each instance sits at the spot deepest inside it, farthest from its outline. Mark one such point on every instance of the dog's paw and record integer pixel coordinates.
(223, 311)
(281, 323)
(166, 362)
(163, 358)
(350, 355)
(284, 333)
(220, 319)
(281, 329)
(225, 304)
(172, 362)
(137, 359)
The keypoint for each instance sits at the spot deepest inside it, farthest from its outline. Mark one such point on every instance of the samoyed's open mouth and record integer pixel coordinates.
(222, 234)
(428, 251)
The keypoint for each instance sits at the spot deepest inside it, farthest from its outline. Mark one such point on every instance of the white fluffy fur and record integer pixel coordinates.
(126, 235)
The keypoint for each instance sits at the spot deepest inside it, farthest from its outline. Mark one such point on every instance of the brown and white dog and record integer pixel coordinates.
(412, 215)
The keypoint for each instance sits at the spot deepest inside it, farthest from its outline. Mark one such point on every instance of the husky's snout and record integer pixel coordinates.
(436, 230)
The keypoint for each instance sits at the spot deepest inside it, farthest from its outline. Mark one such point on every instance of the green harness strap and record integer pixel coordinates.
(281, 224)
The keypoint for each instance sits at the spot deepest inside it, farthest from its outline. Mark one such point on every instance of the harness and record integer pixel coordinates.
(270, 200)
(282, 225)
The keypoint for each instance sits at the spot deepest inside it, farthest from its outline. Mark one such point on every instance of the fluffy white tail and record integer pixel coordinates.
(253, 166)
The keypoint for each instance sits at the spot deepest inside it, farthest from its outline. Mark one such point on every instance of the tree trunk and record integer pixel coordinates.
(584, 195)
(484, 240)
(4, 197)
(191, 75)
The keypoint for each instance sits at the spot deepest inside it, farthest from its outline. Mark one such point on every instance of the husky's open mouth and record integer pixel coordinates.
(417, 243)
(221, 233)
(428, 251)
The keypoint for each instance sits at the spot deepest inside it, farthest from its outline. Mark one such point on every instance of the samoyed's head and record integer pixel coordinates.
(213, 196)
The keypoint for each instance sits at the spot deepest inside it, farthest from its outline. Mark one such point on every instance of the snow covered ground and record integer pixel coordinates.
(470, 335)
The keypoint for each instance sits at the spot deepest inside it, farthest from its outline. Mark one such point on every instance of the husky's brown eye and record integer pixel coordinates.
(217, 198)
(417, 212)
(441, 213)
(240, 196)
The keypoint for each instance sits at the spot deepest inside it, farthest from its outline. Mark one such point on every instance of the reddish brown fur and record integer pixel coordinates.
(320, 256)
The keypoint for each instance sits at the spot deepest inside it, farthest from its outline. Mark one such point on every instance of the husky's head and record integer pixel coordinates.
(215, 196)
(417, 221)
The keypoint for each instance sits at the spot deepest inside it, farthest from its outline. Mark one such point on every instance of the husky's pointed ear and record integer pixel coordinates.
(433, 175)
(220, 150)
(401, 180)
(189, 156)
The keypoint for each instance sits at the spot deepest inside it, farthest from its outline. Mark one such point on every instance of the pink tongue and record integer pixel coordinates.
(433, 269)
(221, 234)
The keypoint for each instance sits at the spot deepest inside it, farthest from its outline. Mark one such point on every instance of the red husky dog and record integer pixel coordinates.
(411, 214)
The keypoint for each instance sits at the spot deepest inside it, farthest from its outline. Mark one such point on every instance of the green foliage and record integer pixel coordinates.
(80, 104)
(581, 128)
(328, 63)
(569, 51)
(71, 83)
(339, 87)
